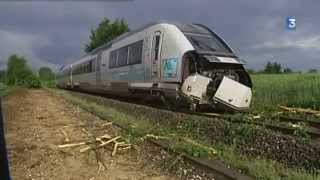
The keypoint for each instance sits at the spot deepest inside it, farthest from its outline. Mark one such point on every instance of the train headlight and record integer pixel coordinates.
(189, 88)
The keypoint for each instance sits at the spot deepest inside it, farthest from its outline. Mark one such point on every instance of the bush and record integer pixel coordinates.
(48, 84)
(33, 81)
(3, 89)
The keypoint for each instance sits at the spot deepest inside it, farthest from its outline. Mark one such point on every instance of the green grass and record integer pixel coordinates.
(3, 89)
(48, 84)
(141, 124)
(298, 90)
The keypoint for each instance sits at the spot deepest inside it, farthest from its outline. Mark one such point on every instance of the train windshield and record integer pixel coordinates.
(207, 43)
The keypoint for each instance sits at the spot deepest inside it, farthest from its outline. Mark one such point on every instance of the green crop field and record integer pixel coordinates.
(298, 90)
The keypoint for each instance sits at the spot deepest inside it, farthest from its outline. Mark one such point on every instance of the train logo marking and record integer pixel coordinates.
(170, 68)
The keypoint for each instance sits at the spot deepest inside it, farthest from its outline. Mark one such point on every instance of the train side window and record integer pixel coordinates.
(156, 47)
(113, 59)
(93, 65)
(135, 55)
(88, 66)
(123, 56)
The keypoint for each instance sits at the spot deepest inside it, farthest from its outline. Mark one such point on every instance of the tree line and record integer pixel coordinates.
(19, 73)
(277, 68)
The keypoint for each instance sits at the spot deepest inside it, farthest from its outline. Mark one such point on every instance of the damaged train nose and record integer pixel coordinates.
(233, 94)
(229, 93)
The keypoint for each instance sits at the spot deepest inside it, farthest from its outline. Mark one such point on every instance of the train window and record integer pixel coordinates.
(87, 67)
(207, 43)
(82, 68)
(156, 47)
(135, 55)
(113, 59)
(123, 56)
(93, 65)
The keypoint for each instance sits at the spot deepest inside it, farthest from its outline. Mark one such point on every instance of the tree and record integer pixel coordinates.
(3, 76)
(105, 32)
(272, 68)
(46, 74)
(17, 70)
(312, 71)
(287, 70)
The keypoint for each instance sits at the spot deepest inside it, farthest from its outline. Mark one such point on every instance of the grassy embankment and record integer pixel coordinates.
(142, 121)
(5, 90)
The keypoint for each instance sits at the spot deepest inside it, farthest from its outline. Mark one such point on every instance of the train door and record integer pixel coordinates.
(155, 56)
(147, 44)
(98, 69)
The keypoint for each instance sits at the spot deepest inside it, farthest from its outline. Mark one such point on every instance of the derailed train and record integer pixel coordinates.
(182, 63)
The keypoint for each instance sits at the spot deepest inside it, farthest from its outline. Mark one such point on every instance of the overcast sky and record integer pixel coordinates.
(54, 33)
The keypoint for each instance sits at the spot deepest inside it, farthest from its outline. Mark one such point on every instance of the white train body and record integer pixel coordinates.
(181, 62)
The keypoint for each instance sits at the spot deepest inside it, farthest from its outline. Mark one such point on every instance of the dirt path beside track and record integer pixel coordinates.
(34, 121)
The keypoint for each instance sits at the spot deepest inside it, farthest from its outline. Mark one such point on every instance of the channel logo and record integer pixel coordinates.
(291, 23)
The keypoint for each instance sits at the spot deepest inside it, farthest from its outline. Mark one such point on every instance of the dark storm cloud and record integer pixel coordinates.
(55, 32)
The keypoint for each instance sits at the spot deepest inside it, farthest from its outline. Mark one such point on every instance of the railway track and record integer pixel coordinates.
(312, 128)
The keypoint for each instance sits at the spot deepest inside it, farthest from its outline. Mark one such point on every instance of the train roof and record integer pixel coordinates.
(188, 28)
(184, 27)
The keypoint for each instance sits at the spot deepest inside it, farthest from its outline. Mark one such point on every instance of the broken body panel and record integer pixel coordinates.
(216, 80)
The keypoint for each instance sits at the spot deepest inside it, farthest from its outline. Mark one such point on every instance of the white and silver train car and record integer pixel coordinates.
(185, 63)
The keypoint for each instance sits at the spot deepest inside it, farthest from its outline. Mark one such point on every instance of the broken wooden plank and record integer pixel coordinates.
(125, 148)
(66, 138)
(190, 141)
(101, 145)
(302, 110)
(106, 136)
(85, 131)
(155, 137)
(72, 145)
(107, 124)
(114, 149)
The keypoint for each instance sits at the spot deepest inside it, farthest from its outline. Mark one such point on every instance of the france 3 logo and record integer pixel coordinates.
(291, 23)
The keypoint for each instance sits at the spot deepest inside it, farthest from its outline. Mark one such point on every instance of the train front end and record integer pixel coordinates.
(220, 85)
(212, 74)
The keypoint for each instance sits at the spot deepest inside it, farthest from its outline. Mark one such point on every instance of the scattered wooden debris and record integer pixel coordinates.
(85, 131)
(155, 137)
(301, 110)
(190, 141)
(66, 137)
(256, 117)
(107, 124)
(101, 167)
(97, 142)
(100, 145)
(72, 145)
(115, 149)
